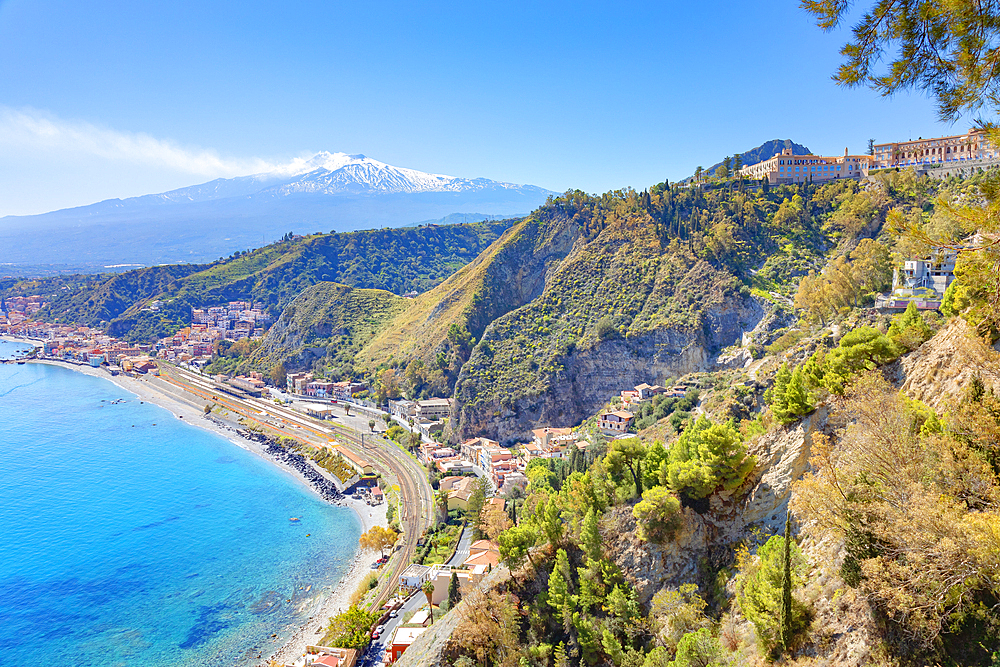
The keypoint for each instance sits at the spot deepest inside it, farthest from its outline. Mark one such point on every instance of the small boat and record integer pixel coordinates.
(294, 519)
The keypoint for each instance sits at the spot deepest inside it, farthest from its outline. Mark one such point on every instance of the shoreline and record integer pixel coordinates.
(310, 631)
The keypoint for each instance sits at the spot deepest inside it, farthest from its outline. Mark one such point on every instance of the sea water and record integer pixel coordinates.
(128, 537)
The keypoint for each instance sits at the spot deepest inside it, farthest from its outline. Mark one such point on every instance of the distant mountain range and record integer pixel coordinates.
(329, 192)
(765, 151)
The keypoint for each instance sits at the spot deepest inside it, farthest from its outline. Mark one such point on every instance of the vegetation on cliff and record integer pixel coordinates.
(328, 321)
(679, 260)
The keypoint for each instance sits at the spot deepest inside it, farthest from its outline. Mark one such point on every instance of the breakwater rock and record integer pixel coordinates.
(327, 489)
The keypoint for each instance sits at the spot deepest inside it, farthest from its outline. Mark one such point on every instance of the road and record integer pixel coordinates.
(395, 465)
(375, 651)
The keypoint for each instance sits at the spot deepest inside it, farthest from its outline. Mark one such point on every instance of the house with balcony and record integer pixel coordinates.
(615, 422)
(935, 272)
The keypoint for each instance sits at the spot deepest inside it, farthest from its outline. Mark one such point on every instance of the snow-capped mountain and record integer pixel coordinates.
(328, 191)
(335, 174)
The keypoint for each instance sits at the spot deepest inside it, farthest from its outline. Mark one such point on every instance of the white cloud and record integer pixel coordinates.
(34, 129)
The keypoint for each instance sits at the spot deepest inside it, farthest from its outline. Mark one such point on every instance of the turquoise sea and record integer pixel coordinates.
(128, 537)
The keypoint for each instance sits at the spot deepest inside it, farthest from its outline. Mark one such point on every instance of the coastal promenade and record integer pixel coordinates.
(416, 496)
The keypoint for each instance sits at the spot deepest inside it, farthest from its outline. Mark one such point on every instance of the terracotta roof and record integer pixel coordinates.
(483, 558)
(483, 545)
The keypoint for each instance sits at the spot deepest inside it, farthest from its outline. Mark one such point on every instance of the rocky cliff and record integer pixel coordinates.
(559, 359)
(938, 371)
(782, 457)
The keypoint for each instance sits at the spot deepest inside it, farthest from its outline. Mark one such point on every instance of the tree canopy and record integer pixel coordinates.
(947, 49)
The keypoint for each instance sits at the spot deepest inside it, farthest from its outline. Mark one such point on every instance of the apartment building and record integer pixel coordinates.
(789, 168)
(433, 408)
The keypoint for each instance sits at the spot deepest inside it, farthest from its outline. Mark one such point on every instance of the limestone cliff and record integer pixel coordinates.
(550, 363)
(782, 457)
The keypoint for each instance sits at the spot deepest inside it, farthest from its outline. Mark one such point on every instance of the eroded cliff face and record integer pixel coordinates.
(782, 458)
(938, 371)
(590, 377)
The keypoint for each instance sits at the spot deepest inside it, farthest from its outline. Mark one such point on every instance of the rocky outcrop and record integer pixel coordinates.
(589, 377)
(650, 567)
(782, 458)
(938, 371)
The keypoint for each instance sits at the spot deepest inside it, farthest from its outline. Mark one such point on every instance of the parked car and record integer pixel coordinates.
(393, 614)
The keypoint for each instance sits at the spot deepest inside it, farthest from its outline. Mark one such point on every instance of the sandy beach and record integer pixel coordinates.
(191, 411)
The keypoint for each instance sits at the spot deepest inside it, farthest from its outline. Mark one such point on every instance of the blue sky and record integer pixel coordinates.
(102, 99)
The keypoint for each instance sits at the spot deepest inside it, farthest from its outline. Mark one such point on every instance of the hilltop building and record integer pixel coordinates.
(957, 148)
(789, 168)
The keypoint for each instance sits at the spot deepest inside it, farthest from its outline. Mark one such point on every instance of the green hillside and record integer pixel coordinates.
(431, 336)
(396, 260)
(327, 320)
(658, 284)
(592, 294)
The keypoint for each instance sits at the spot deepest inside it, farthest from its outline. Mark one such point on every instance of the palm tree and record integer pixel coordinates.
(441, 498)
(428, 588)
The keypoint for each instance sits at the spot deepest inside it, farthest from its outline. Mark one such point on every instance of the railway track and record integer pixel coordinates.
(416, 496)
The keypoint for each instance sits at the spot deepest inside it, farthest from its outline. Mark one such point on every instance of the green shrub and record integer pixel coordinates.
(349, 629)
(705, 458)
(789, 397)
(658, 515)
(699, 649)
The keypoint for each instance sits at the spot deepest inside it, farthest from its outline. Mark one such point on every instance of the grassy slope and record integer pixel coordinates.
(505, 276)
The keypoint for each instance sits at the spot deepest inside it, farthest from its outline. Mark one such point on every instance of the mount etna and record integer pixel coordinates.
(329, 192)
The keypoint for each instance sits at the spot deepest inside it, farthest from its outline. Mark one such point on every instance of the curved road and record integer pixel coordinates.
(415, 493)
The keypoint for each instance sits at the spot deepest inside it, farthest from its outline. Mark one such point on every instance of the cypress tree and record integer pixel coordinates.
(454, 592)
(786, 585)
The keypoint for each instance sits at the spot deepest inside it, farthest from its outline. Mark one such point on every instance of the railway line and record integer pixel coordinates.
(416, 496)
